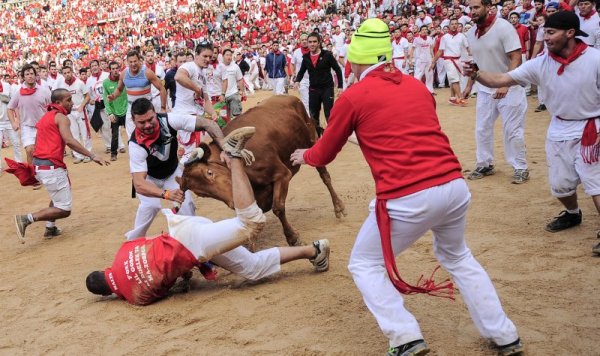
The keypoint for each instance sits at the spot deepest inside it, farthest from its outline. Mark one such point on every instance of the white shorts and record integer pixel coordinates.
(566, 169)
(28, 134)
(451, 71)
(57, 184)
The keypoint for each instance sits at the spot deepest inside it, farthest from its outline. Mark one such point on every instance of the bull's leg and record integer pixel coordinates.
(280, 190)
(338, 205)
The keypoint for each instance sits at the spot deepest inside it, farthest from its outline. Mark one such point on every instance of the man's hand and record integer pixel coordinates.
(100, 160)
(468, 88)
(112, 118)
(81, 108)
(214, 116)
(297, 158)
(111, 97)
(469, 69)
(500, 93)
(226, 159)
(175, 195)
(15, 126)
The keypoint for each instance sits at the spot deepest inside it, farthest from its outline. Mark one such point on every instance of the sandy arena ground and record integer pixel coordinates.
(549, 283)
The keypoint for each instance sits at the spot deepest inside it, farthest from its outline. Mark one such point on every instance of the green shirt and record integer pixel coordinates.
(117, 107)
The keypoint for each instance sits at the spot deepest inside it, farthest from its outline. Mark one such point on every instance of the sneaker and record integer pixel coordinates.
(540, 108)
(321, 260)
(87, 160)
(512, 349)
(122, 150)
(22, 222)
(77, 160)
(520, 176)
(481, 172)
(454, 102)
(234, 143)
(596, 249)
(37, 186)
(107, 150)
(52, 232)
(564, 220)
(413, 348)
(113, 157)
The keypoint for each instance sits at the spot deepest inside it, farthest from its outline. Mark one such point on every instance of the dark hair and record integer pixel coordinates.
(58, 94)
(204, 45)
(94, 60)
(25, 68)
(65, 62)
(83, 70)
(141, 106)
(96, 283)
(52, 64)
(180, 54)
(113, 62)
(227, 50)
(134, 53)
(421, 28)
(66, 67)
(43, 67)
(487, 2)
(34, 63)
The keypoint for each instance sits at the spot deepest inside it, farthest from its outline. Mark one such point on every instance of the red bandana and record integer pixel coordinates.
(277, 53)
(453, 33)
(589, 149)
(528, 7)
(54, 76)
(578, 51)
(304, 50)
(25, 91)
(114, 79)
(589, 15)
(423, 37)
(57, 107)
(147, 140)
(70, 82)
(482, 26)
(97, 76)
(152, 66)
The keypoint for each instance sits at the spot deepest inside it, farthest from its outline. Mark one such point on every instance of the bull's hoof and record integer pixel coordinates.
(340, 211)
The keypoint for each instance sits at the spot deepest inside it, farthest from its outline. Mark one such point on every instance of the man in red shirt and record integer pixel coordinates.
(144, 269)
(54, 133)
(419, 187)
(524, 37)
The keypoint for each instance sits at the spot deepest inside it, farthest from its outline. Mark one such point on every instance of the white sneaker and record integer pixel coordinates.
(87, 160)
(236, 140)
(77, 160)
(321, 260)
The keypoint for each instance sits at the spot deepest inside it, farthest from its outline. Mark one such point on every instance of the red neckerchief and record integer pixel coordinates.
(397, 40)
(589, 15)
(304, 50)
(25, 90)
(114, 79)
(527, 8)
(152, 66)
(54, 76)
(453, 33)
(57, 107)
(214, 64)
(277, 53)
(423, 37)
(147, 140)
(578, 51)
(97, 76)
(487, 23)
(70, 82)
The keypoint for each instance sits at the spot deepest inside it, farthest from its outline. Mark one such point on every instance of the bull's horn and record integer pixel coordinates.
(195, 156)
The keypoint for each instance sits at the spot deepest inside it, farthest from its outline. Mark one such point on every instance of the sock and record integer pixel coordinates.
(575, 211)
(49, 224)
(30, 218)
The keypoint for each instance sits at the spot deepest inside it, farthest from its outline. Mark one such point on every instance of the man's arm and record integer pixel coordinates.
(337, 70)
(515, 61)
(146, 188)
(437, 56)
(119, 88)
(183, 78)
(300, 74)
(212, 128)
(151, 76)
(537, 48)
(86, 100)
(64, 127)
(108, 105)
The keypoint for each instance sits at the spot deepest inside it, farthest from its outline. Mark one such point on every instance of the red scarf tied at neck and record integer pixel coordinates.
(578, 51)
(152, 66)
(489, 20)
(423, 37)
(453, 33)
(58, 108)
(70, 82)
(114, 79)
(147, 140)
(25, 90)
(589, 15)
(304, 50)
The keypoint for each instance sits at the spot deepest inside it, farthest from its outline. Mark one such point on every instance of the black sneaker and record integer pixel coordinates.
(413, 348)
(596, 249)
(481, 172)
(540, 108)
(564, 220)
(512, 349)
(52, 232)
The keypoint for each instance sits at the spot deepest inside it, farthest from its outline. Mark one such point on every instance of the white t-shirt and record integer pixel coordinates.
(464, 20)
(95, 86)
(232, 74)
(338, 40)
(453, 46)
(580, 78)
(424, 22)
(6, 93)
(214, 85)
(489, 51)
(184, 97)
(160, 73)
(52, 82)
(590, 26)
(400, 47)
(297, 62)
(78, 90)
(138, 155)
(422, 49)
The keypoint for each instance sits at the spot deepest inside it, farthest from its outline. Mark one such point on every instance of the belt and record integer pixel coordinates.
(398, 57)
(453, 60)
(44, 168)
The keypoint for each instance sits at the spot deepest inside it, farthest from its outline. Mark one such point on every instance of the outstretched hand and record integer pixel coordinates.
(297, 158)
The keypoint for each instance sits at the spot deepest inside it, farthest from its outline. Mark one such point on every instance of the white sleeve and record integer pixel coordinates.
(183, 122)
(137, 158)
(442, 46)
(84, 88)
(528, 72)
(510, 40)
(238, 73)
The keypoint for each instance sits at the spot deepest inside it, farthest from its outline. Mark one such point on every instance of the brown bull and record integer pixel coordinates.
(282, 126)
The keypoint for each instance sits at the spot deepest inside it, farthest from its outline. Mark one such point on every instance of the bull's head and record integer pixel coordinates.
(206, 176)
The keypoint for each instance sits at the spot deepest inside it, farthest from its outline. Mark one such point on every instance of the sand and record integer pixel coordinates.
(549, 283)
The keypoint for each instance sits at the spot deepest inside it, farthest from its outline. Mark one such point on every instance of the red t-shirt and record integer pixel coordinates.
(397, 127)
(523, 32)
(145, 269)
(314, 58)
(48, 142)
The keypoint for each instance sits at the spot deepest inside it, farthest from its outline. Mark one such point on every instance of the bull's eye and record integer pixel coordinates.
(209, 172)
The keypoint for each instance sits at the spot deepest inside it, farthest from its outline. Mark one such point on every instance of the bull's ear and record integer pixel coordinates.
(204, 147)
(181, 183)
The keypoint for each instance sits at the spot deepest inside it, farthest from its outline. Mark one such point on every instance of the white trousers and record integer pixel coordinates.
(14, 141)
(421, 69)
(303, 89)
(398, 64)
(79, 130)
(129, 125)
(512, 108)
(441, 71)
(441, 209)
(150, 206)
(278, 85)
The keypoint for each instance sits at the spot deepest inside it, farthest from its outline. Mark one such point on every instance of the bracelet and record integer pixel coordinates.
(165, 194)
(476, 76)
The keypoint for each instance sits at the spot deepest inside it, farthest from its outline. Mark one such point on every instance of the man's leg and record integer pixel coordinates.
(327, 99)
(486, 113)
(314, 104)
(16, 144)
(512, 110)
(144, 216)
(86, 140)
(75, 118)
(106, 131)
(304, 94)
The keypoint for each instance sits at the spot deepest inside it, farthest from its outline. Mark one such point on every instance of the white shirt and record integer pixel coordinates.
(422, 49)
(214, 85)
(453, 46)
(160, 73)
(6, 94)
(581, 78)
(138, 155)
(297, 62)
(95, 86)
(489, 51)
(78, 90)
(424, 22)
(52, 82)
(184, 97)
(590, 26)
(338, 40)
(232, 74)
(400, 48)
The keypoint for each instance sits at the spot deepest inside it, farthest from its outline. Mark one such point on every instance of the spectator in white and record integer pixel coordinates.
(233, 84)
(423, 19)
(150, 57)
(338, 38)
(451, 47)
(589, 22)
(524, 33)
(400, 51)
(526, 11)
(496, 47)
(94, 83)
(540, 46)
(459, 15)
(421, 53)
(572, 141)
(251, 76)
(80, 128)
(296, 63)
(26, 107)
(6, 130)
(53, 75)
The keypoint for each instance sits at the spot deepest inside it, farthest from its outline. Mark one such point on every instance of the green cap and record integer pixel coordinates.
(371, 43)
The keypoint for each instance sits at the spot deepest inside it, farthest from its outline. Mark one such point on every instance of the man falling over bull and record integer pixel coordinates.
(145, 269)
